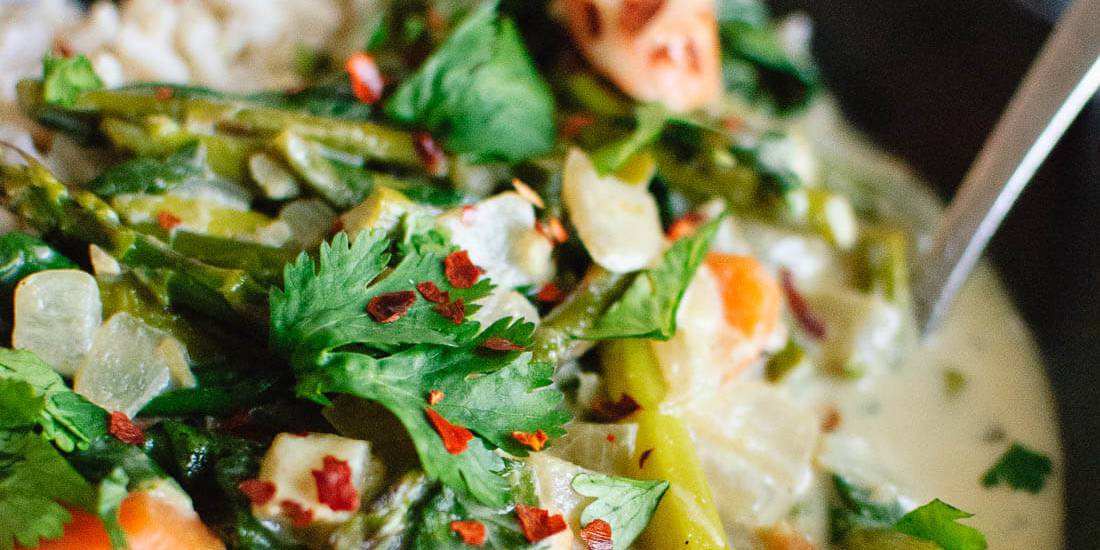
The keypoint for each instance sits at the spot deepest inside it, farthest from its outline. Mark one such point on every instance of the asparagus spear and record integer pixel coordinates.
(554, 340)
(686, 517)
(35, 194)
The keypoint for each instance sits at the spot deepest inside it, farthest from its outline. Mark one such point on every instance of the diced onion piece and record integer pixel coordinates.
(125, 368)
(617, 222)
(500, 235)
(604, 448)
(554, 481)
(757, 448)
(289, 464)
(57, 313)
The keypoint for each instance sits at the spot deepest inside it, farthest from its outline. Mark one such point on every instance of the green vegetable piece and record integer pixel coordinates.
(954, 382)
(626, 504)
(35, 484)
(263, 263)
(22, 255)
(651, 121)
(153, 175)
(20, 404)
(65, 78)
(937, 521)
(433, 530)
(111, 492)
(883, 267)
(854, 508)
(480, 92)
(648, 307)
(787, 361)
(885, 539)
(66, 418)
(554, 341)
(1021, 469)
(388, 522)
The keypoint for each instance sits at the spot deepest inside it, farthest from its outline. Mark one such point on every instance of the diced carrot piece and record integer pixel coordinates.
(150, 523)
(751, 297)
(783, 538)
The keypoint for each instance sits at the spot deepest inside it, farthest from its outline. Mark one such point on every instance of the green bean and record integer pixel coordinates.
(554, 340)
(883, 266)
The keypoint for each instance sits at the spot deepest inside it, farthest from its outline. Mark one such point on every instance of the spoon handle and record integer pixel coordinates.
(1061, 80)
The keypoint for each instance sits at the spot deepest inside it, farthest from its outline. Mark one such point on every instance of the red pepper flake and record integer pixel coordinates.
(391, 306)
(455, 438)
(63, 48)
(258, 492)
(536, 441)
(471, 532)
(431, 293)
(597, 535)
(124, 429)
(334, 486)
(550, 294)
(337, 226)
(455, 311)
(460, 270)
(299, 516)
(167, 220)
(435, 20)
(811, 323)
(435, 396)
(611, 438)
(593, 21)
(553, 230)
(366, 79)
(575, 124)
(163, 93)
(431, 154)
(685, 226)
(614, 411)
(469, 214)
(831, 421)
(538, 524)
(644, 458)
(527, 193)
(497, 343)
(636, 14)
(733, 123)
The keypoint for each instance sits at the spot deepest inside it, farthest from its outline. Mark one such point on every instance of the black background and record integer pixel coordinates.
(928, 79)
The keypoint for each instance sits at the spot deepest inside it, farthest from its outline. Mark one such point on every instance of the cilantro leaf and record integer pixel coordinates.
(65, 78)
(35, 480)
(502, 530)
(648, 307)
(856, 509)
(651, 120)
(319, 321)
(1020, 468)
(481, 92)
(66, 418)
(154, 175)
(21, 405)
(626, 504)
(937, 521)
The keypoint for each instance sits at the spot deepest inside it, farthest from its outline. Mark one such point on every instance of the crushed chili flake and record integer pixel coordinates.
(430, 291)
(497, 343)
(167, 220)
(550, 294)
(460, 270)
(455, 311)
(733, 123)
(593, 21)
(527, 193)
(536, 441)
(636, 14)
(435, 396)
(553, 230)
(163, 93)
(831, 421)
(469, 214)
(63, 48)
(391, 306)
(455, 438)
(644, 458)
(334, 486)
(299, 516)
(366, 79)
(575, 124)
(431, 154)
(614, 411)
(436, 21)
(685, 226)
(124, 429)
(811, 323)
(611, 438)
(337, 226)
(471, 532)
(538, 524)
(258, 492)
(597, 535)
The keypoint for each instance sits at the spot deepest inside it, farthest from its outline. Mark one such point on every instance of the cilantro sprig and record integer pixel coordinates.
(65, 417)
(626, 504)
(1021, 469)
(319, 321)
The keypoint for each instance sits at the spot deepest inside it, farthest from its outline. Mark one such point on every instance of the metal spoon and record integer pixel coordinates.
(1064, 76)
